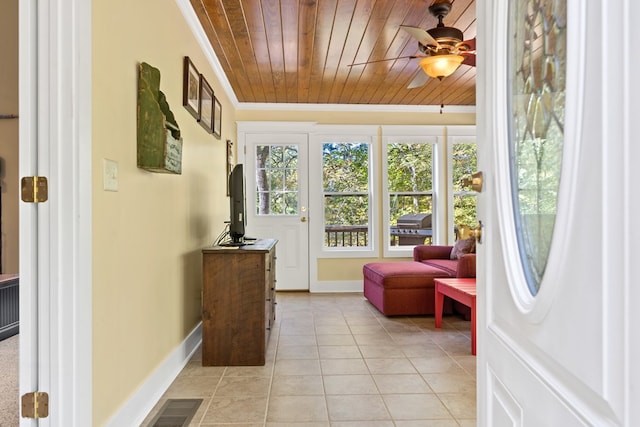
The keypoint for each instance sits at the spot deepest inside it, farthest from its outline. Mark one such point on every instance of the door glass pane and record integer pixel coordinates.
(410, 186)
(345, 176)
(277, 180)
(537, 106)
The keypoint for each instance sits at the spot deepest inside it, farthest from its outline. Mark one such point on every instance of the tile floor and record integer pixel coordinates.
(334, 361)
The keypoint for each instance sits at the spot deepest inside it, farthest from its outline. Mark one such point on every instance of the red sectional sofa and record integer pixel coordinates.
(406, 287)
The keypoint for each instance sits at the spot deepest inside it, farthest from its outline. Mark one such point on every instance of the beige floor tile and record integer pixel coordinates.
(356, 408)
(367, 329)
(427, 423)
(416, 407)
(374, 423)
(297, 367)
(424, 349)
(297, 385)
(342, 339)
(192, 387)
(451, 383)
(235, 410)
(390, 366)
(343, 366)
(297, 409)
(250, 371)
(381, 351)
(298, 424)
(349, 384)
(461, 405)
(195, 368)
(297, 340)
(333, 329)
(243, 386)
(297, 352)
(436, 364)
(339, 352)
(401, 383)
(373, 339)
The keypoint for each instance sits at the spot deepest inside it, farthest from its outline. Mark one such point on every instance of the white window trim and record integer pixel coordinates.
(415, 134)
(342, 133)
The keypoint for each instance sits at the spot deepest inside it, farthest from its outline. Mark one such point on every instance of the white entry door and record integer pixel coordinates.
(558, 341)
(276, 174)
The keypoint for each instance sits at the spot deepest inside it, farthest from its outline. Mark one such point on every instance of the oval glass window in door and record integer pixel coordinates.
(537, 75)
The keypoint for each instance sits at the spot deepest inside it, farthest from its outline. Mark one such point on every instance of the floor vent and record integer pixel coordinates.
(176, 413)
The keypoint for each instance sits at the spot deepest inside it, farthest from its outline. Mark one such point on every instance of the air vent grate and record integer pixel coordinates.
(176, 413)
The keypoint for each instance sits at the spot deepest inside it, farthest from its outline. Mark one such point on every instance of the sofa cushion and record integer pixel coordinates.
(466, 246)
(402, 274)
(448, 266)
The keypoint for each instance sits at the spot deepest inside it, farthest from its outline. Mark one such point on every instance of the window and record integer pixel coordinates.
(410, 192)
(463, 163)
(346, 194)
(409, 188)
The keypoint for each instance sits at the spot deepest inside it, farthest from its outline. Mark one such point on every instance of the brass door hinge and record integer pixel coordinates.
(35, 405)
(35, 189)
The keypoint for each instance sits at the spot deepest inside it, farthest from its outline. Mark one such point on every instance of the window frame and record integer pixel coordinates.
(410, 135)
(363, 134)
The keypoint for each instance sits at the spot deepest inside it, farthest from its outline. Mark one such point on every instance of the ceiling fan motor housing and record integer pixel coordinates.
(447, 36)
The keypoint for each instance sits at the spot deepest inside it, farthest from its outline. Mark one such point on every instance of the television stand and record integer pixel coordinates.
(238, 303)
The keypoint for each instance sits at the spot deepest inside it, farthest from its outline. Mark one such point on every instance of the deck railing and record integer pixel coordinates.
(346, 235)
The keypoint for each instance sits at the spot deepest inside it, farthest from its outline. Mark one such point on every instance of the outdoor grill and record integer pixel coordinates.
(412, 229)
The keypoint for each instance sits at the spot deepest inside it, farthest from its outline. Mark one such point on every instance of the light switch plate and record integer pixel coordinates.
(110, 175)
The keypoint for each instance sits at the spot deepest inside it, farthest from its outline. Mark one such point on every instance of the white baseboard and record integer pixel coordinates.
(136, 409)
(336, 286)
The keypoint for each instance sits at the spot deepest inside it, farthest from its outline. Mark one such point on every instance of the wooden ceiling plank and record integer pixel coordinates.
(241, 32)
(394, 79)
(260, 53)
(343, 19)
(322, 38)
(357, 29)
(218, 18)
(306, 37)
(271, 15)
(290, 29)
(369, 45)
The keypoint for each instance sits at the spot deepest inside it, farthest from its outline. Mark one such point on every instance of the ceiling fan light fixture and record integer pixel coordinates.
(439, 66)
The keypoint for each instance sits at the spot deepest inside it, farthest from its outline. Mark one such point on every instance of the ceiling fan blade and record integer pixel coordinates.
(421, 35)
(382, 60)
(470, 44)
(469, 59)
(419, 80)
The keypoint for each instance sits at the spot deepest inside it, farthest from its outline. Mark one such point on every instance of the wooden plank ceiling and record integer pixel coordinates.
(300, 51)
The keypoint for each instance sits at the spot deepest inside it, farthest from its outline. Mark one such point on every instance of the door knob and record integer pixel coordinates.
(474, 181)
(303, 219)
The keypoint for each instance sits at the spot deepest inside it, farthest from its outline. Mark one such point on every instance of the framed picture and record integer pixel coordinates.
(217, 118)
(191, 88)
(206, 104)
(229, 162)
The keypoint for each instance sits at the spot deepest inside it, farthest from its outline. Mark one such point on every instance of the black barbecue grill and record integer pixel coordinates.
(412, 229)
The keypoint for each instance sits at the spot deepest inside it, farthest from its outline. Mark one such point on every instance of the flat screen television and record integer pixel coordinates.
(237, 206)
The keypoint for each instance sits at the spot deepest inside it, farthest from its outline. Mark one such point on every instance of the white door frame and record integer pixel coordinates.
(55, 236)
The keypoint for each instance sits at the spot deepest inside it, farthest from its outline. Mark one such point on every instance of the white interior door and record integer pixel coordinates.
(557, 342)
(281, 161)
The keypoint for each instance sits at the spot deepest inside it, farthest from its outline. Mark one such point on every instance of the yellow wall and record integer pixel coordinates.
(147, 236)
(9, 135)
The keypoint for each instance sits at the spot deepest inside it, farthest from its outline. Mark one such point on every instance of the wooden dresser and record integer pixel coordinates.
(238, 303)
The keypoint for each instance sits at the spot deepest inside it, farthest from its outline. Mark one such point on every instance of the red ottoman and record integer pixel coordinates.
(402, 287)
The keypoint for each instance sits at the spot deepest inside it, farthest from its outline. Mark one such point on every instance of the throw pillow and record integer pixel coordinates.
(467, 246)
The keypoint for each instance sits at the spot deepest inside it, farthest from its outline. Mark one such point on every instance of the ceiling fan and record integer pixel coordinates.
(444, 48)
